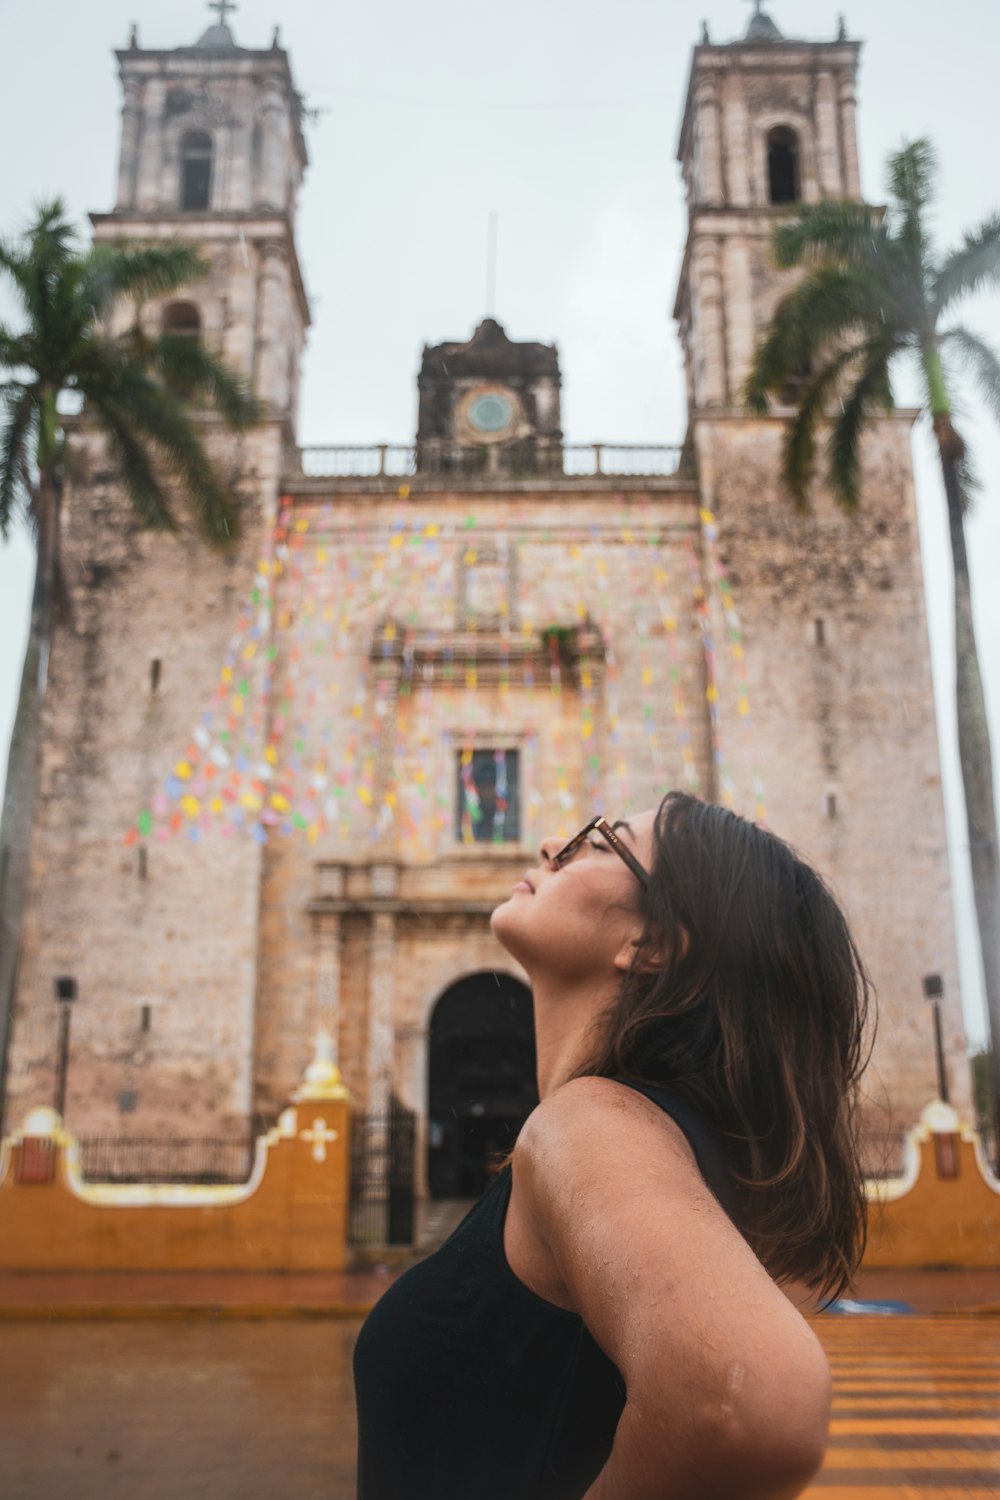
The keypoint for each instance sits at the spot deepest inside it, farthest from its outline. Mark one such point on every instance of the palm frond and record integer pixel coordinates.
(871, 393)
(970, 484)
(13, 349)
(977, 356)
(47, 249)
(833, 230)
(799, 446)
(156, 414)
(12, 262)
(208, 498)
(912, 171)
(111, 272)
(145, 491)
(187, 365)
(16, 433)
(974, 265)
(832, 302)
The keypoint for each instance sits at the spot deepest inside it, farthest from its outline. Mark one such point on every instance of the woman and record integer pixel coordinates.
(607, 1323)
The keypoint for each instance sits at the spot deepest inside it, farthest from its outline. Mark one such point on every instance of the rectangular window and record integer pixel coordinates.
(196, 181)
(487, 797)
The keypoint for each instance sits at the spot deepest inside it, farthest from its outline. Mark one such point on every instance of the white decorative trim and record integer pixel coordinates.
(169, 1194)
(890, 1189)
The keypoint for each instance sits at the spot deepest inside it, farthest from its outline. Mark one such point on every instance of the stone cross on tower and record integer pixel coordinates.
(223, 7)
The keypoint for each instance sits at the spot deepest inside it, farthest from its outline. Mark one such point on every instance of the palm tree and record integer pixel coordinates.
(874, 289)
(138, 389)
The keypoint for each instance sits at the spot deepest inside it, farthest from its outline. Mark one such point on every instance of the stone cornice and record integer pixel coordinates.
(140, 224)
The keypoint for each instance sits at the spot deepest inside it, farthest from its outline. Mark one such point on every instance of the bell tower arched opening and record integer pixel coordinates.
(196, 170)
(783, 172)
(481, 1080)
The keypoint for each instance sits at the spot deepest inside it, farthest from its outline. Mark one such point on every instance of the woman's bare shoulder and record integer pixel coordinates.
(664, 1281)
(595, 1103)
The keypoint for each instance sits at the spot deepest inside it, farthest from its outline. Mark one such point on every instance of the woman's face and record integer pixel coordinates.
(573, 921)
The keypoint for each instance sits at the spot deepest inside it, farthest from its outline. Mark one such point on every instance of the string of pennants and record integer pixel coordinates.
(290, 739)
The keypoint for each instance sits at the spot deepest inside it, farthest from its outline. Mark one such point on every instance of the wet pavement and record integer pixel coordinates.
(158, 1410)
(263, 1409)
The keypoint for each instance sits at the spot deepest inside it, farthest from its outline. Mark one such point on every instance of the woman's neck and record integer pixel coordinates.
(564, 1030)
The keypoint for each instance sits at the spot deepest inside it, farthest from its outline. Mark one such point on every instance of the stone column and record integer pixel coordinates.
(827, 152)
(709, 144)
(736, 145)
(708, 324)
(737, 281)
(381, 999)
(271, 349)
(411, 1066)
(386, 673)
(848, 136)
(327, 930)
(147, 183)
(128, 158)
(271, 189)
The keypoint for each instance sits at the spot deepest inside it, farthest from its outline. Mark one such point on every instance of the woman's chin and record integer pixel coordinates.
(502, 922)
(497, 919)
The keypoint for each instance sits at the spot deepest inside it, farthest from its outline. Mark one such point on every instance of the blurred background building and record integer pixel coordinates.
(283, 790)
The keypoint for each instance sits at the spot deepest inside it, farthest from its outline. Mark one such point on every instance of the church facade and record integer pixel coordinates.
(282, 789)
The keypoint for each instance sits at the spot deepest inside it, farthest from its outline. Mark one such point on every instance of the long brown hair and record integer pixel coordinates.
(758, 1017)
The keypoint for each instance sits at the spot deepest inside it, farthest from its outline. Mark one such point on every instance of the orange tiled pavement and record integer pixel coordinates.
(916, 1411)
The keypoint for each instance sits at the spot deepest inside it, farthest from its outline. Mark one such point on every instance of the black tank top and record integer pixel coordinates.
(469, 1386)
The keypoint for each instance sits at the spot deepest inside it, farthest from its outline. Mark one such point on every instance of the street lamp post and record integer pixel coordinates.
(933, 991)
(65, 988)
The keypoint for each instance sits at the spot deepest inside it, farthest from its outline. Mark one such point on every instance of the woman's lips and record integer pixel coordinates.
(525, 885)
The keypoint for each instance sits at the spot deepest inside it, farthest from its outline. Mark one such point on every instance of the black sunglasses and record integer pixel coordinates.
(605, 829)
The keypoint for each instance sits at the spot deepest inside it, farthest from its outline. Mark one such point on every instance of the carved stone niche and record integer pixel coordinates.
(486, 587)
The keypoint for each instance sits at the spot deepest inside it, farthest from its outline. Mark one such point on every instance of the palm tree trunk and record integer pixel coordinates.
(977, 766)
(23, 764)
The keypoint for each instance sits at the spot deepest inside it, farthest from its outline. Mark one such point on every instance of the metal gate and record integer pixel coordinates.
(383, 1159)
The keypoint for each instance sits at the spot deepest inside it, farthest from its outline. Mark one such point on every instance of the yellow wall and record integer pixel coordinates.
(290, 1216)
(925, 1219)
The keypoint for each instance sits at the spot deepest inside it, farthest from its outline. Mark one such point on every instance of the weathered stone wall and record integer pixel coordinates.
(376, 690)
(842, 722)
(393, 660)
(179, 932)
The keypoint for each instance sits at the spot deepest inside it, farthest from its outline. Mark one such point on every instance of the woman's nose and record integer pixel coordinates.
(549, 848)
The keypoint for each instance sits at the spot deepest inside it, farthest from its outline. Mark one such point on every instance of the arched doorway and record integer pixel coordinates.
(481, 1080)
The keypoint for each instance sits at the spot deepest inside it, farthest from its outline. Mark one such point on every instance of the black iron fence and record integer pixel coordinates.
(383, 1159)
(884, 1156)
(198, 1159)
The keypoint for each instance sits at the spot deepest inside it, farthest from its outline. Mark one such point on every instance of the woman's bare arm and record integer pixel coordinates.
(727, 1387)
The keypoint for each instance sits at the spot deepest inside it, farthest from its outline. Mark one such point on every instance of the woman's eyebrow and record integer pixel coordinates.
(623, 824)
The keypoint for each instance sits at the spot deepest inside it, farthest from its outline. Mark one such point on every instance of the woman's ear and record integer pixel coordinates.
(654, 959)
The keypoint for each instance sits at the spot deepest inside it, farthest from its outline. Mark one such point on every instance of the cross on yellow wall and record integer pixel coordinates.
(319, 1135)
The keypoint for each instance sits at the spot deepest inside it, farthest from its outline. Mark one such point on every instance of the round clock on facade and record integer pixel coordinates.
(491, 412)
(488, 414)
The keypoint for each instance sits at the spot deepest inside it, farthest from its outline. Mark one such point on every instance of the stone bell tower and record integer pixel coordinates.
(768, 122)
(153, 934)
(833, 730)
(212, 151)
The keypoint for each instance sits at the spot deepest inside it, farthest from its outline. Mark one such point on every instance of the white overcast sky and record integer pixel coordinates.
(563, 118)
